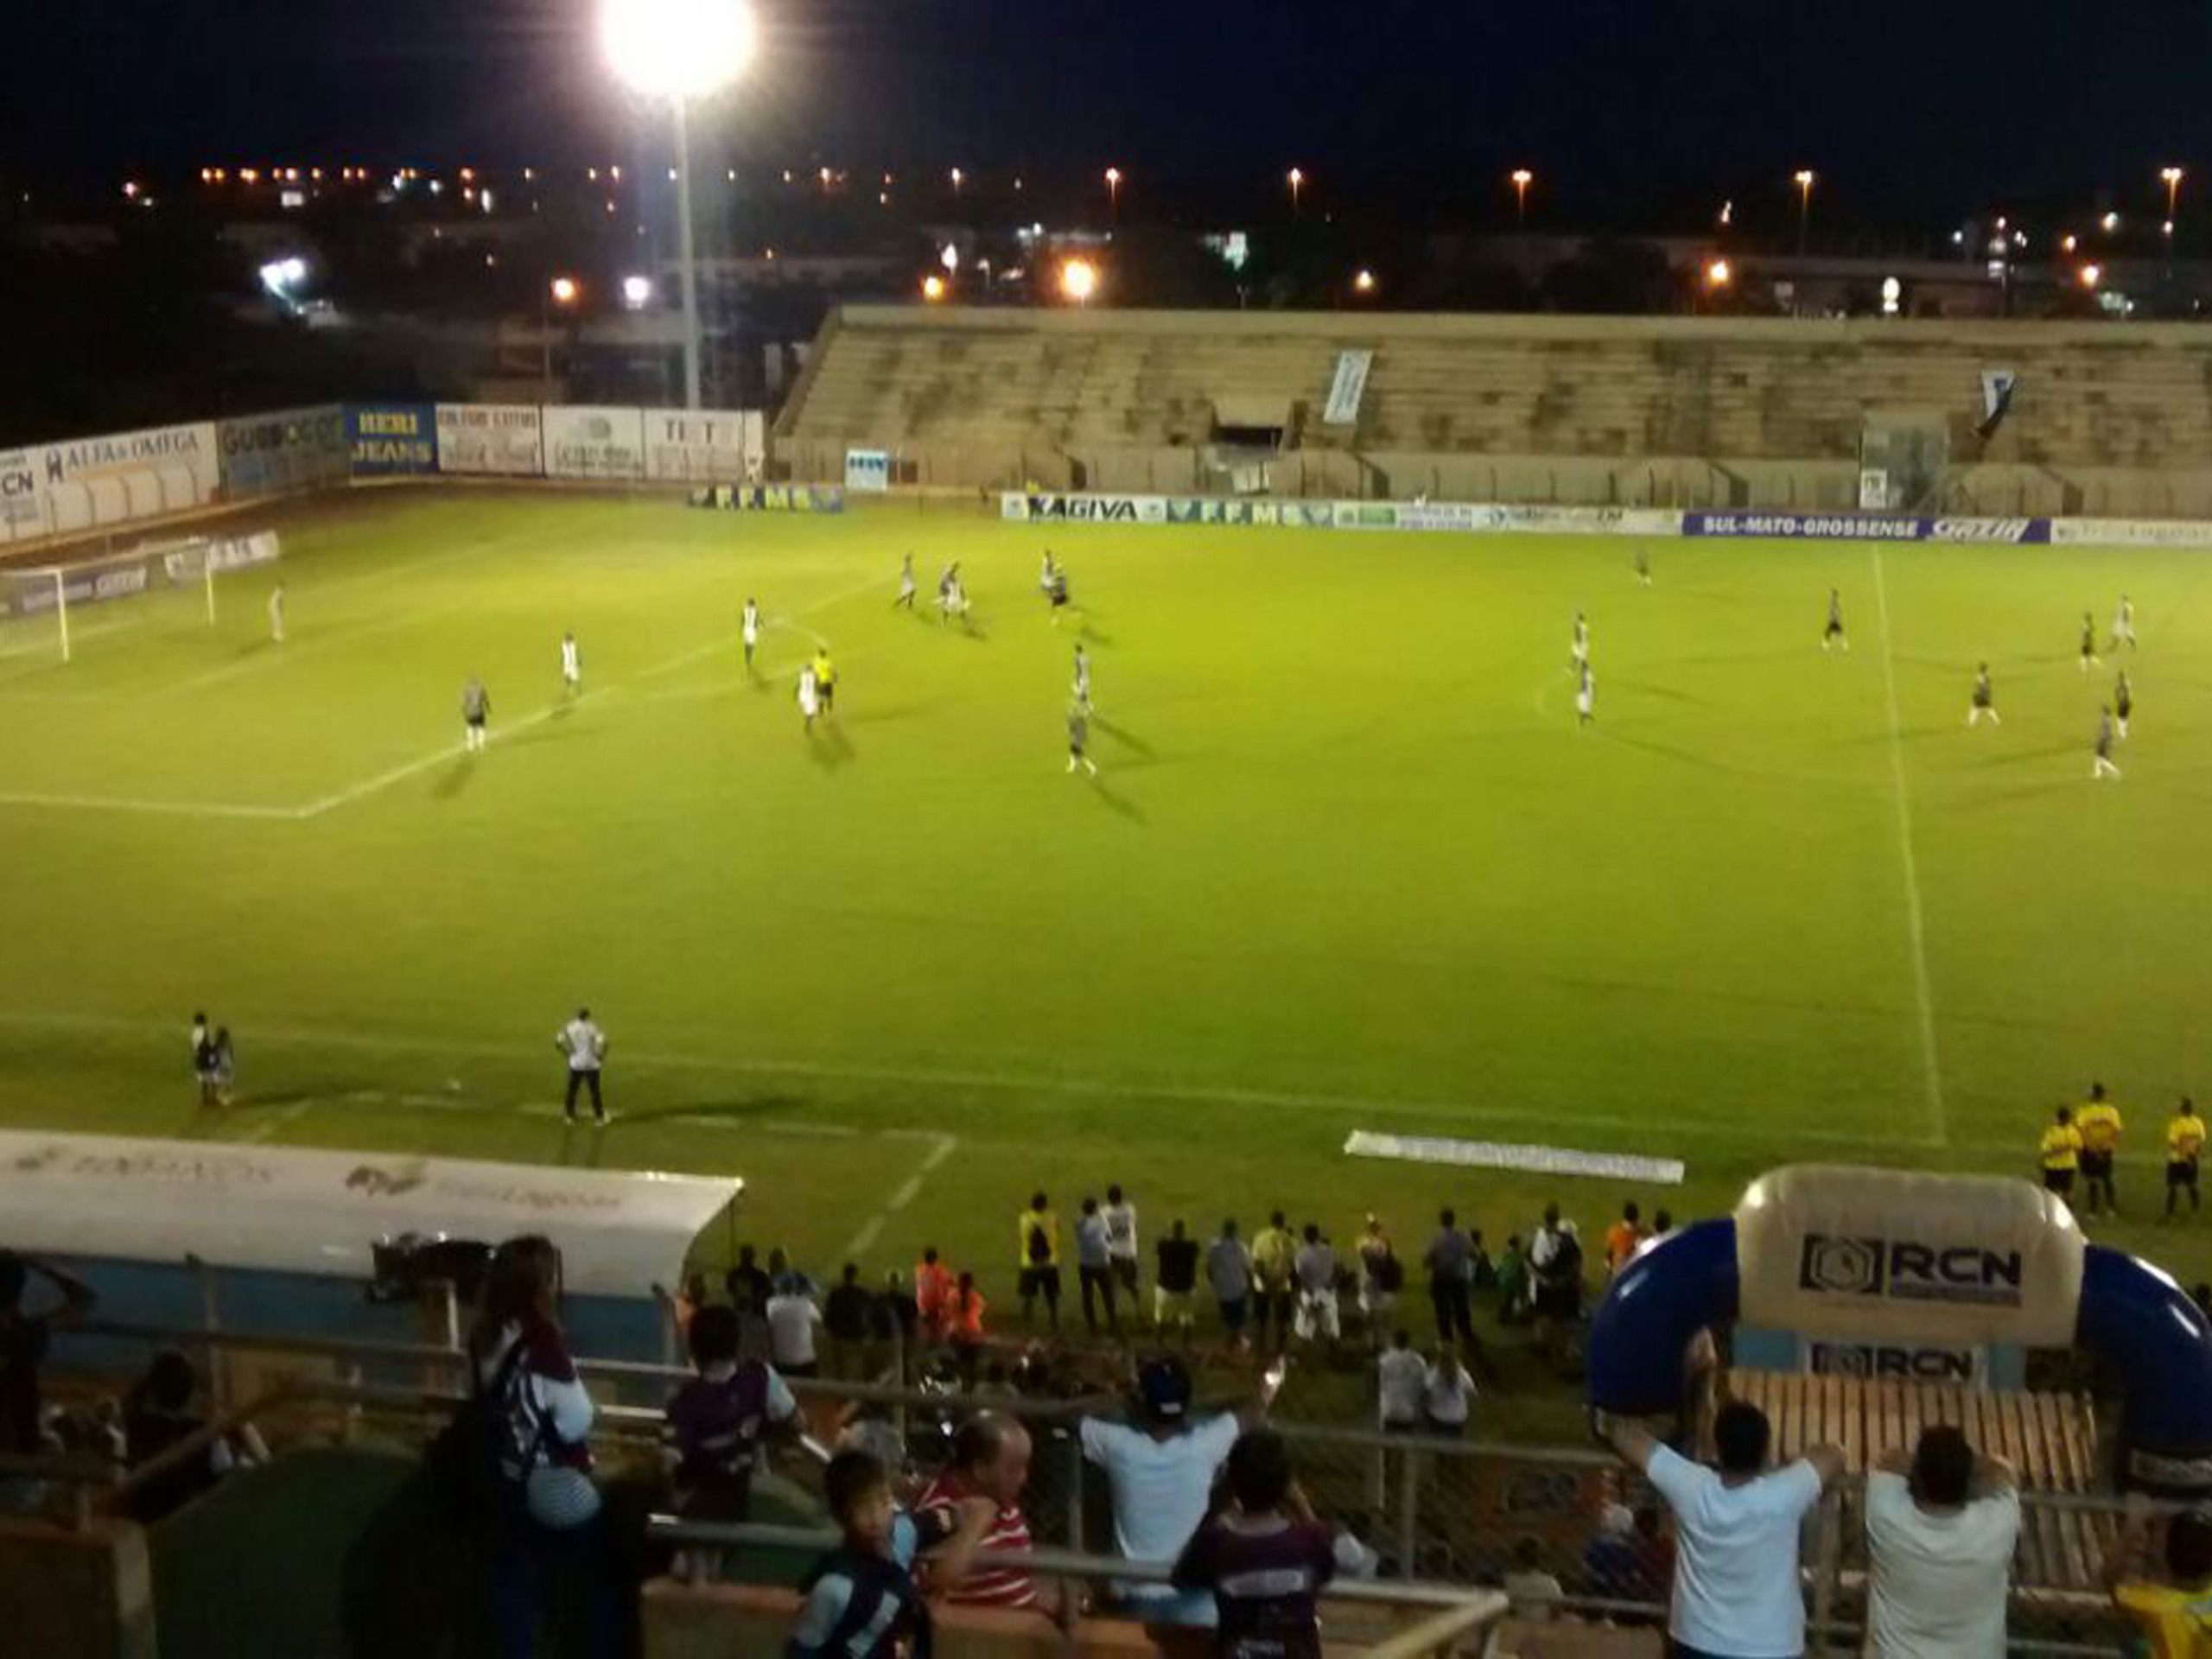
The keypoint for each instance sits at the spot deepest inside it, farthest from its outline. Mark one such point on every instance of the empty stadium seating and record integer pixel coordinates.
(1558, 408)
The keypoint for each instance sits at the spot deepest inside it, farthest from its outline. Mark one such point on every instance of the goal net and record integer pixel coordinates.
(57, 609)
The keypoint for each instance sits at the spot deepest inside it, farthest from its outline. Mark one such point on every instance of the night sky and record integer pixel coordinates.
(1923, 112)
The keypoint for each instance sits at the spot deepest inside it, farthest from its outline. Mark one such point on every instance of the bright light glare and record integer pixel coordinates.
(2092, 275)
(677, 48)
(282, 276)
(933, 288)
(1363, 281)
(637, 292)
(1717, 274)
(564, 290)
(950, 258)
(1078, 280)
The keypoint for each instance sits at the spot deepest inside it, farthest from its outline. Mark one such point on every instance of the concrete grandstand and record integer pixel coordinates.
(2107, 418)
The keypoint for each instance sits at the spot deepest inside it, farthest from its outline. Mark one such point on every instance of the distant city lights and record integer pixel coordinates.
(637, 292)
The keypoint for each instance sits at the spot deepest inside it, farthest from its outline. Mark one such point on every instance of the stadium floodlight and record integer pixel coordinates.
(958, 179)
(1114, 193)
(1079, 279)
(1297, 178)
(950, 258)
(2092, 275)
(933, 288)
(1363, 281)
(2110, 222)
(679, 50)
(1719, 275)
(1520, 178)
(283, 278)
(2171, 177)
(637, 292)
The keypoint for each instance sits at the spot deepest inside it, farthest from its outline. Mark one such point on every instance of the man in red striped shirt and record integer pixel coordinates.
(990, 1458)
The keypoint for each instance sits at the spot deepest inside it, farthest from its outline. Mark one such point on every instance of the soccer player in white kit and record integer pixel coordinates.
(277, 613)
(2102, 766)
(1082, 677)
(1984, 705)
(475, 712)
(2123, 624)
(1586, 698)
(751, 630)
(809, 695)
(585, 1045)
(905, 585)
(572, 666)
(1579, 646)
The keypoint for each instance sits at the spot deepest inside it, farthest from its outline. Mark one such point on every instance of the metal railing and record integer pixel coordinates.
(1434, 1510)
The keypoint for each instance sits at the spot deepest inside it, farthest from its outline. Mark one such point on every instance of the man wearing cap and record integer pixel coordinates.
(1159, 1470)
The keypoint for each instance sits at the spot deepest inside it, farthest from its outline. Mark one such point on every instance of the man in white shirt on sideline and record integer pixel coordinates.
(1121, 1218)
(1736, 1593)
(1159, 1470)
(1940, 1527)
(585, 1045)
(1401, 1384)
(792, 1320)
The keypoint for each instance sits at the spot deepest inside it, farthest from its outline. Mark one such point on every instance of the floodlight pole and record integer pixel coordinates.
(690, 275)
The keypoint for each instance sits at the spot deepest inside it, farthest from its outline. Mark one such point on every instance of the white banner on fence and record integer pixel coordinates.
(121, 476)
(702, 446)
(1346, 389)
(506, 439)
(867, 471)
(1465, 517)
(588, 442)
(2121, 532)
(22, 503)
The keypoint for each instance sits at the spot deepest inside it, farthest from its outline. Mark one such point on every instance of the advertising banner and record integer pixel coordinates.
(1053, 507)
(1864, 527)
(187, 451)
(1346, 387)
(503, 440)
(2071, 532)
(867, 471)
(22, 503)
(592, 442)
(391, 440)
(702, 446)
(283, 450)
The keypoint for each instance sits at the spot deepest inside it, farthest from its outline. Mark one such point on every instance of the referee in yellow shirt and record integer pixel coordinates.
(2061, 1154)
(2098, 1122)
(2185, 1146)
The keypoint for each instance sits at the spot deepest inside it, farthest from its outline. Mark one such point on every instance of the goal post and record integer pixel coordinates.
(36, 599)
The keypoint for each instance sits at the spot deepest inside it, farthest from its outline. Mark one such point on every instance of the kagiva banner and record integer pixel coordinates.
(700, 445)
(1086, 509)
(286, 449)
(503, 439)
(589, 442)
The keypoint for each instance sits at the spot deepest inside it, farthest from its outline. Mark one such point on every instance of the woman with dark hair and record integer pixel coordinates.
(554, 1528)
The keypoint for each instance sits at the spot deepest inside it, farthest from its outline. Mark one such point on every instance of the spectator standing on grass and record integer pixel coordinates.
(845, 1317)
(1274, 1266)
(1447, 1393)
(1516, 1284)
(1265, 1559)
(1623, 1238)
(933, 1283)
(519, 1356)
(793, 1321)
(2166, 1591)
(1092, 1271)
(1228, 1276)
(1381, 1277)
(1401, 1384)
(747, 1282)
(1175, 1281)
(1315, 1267)
(1940, 1527)
(1447, 1261)
(1736, 1593)
(585, 1046)
(1120, 1217)
(1160, 1472)
(1038, 1239)
(783, 1277)
(719, 1418)
(990, 1459)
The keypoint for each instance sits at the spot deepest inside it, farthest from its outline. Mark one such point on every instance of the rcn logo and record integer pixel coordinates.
(1905, 1270)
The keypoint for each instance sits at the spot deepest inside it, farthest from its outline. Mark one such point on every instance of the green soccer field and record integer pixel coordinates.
(1348, 863)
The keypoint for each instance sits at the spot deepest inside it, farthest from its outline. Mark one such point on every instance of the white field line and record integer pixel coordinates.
(1367, 1107)
(126, 804)
(1916, 925)
(872, 1228)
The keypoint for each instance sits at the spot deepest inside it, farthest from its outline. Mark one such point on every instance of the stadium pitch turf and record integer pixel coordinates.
(1348, 863)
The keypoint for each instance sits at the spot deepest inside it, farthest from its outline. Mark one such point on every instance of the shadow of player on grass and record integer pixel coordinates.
(1121, 805)
(829, 748)
(1122, 734)
(454, 778)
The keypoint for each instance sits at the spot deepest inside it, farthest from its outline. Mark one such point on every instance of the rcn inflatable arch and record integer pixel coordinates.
(1875, 1270)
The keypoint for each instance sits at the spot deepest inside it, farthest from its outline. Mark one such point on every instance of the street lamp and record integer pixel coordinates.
(2092, 275)
(637, 293)
(679, 50)
(1804, 180)
(1114, 194)
(933, 288)
(1363, 281)
(958, 179)
(1520, 178)
(1297, 183)
(563, 291)
(1080, 281)
(2171, 176)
